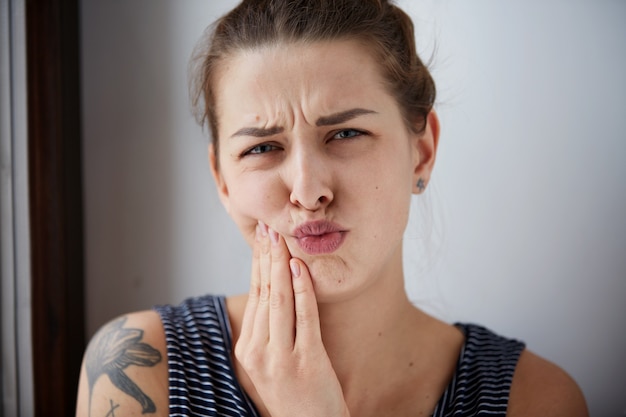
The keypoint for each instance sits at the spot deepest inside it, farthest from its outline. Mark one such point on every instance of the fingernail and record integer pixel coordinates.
(295, 268)
(273, 236)
(257, 233)
(263, 228)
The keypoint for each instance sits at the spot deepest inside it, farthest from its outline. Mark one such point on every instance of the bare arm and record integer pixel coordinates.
(540, 388)
(124, 369)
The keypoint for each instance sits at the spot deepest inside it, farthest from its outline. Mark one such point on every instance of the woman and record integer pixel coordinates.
(322, 125)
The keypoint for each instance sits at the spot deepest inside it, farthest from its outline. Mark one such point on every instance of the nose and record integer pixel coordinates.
(310, 181)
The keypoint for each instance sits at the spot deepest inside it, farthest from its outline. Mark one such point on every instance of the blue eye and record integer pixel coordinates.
(260, 149)
(347, 134)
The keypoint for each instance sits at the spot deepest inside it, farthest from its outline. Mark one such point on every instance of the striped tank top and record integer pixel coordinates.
(202, 381)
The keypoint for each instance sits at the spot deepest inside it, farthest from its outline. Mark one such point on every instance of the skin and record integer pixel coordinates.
(310, 176)
(309, 173)
(107, 388)
(293, 149)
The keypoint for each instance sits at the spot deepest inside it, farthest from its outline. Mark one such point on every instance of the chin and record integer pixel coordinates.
(331, 279)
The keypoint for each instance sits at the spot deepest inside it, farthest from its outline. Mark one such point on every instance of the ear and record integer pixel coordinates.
(220, 183)
(426, 151)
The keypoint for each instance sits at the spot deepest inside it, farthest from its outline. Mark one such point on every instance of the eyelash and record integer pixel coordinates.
(258, 149)
(356, 133)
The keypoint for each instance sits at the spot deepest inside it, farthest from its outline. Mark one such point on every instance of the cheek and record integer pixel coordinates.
(388, 178)
(390, 193)
(254, 199)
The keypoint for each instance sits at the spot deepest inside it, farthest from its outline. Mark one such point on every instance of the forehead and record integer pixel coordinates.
(316, 78)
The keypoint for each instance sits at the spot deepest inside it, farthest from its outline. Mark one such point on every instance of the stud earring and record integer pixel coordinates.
(421, 185)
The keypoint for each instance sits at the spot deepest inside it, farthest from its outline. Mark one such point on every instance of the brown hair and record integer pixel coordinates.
(378, 24)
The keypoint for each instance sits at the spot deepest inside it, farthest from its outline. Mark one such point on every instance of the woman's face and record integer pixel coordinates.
(313, 145)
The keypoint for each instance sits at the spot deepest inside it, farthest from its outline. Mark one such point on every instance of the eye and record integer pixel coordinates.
(260, 149)
(347, 134)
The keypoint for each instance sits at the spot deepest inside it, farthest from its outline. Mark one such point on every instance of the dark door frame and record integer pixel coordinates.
(55, 193)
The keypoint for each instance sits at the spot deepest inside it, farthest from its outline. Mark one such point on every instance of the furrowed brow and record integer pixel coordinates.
(342, 117)
(257, 132)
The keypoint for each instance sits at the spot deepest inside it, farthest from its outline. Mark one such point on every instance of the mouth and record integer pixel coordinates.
(319, 237)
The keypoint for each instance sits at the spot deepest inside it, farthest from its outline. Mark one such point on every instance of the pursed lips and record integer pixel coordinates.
(319, 237)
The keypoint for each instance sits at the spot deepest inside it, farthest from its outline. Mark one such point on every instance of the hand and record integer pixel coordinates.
(280, 346)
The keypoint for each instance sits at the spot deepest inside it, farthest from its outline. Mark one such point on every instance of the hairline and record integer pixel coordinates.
(359, 40)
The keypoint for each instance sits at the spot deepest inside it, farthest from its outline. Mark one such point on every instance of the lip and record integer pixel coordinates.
(319, 237)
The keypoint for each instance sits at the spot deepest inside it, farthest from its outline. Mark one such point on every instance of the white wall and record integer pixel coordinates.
(528, 202)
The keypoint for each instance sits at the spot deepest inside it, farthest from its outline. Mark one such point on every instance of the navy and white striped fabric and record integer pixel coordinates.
(202, 380)
(201, 376)
(484, 372)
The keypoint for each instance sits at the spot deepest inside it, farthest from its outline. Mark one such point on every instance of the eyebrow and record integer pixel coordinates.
(342, 117)
(332, 119)
(257, 132)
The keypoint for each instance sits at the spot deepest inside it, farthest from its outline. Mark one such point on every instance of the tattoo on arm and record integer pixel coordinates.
(112, 350)
(111, 412)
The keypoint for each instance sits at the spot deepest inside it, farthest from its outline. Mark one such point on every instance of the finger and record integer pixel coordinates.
(307, 323)
(247, 323)
(260, 331)
(282, 316)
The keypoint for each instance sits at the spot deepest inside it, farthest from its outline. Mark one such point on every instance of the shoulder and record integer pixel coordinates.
(540, 388)
(124, 370)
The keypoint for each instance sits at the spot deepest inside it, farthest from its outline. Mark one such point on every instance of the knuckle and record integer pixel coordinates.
(278, 256)
(277, 300)
(255, 291)
(301, 290)
(265, 248)
(303, 317)
(251, 359)
(239, 351)
(265, 292)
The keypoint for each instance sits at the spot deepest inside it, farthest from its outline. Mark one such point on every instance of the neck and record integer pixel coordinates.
(384, 350)
(379, 323)
(389, 357)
